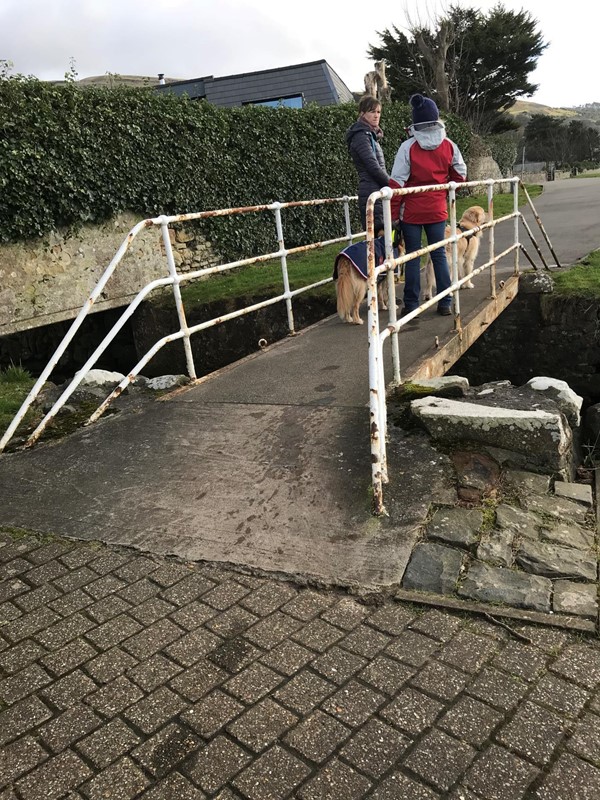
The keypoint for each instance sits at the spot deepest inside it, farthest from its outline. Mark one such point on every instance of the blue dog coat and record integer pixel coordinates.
(357, 254)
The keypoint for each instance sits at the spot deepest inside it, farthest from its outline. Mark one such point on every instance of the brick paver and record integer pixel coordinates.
(130, 676)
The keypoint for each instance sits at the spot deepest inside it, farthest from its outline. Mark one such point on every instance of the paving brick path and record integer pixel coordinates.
(128, 676)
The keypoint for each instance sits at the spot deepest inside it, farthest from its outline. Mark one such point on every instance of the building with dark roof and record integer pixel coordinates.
(293, 86)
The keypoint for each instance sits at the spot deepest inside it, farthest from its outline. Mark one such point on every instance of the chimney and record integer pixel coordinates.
(161, 77)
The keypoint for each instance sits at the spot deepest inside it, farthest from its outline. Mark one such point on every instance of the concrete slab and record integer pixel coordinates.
(275, 488)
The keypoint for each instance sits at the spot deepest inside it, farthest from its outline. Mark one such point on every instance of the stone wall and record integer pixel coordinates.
(540, 333)
(47, 281)
(541, 177)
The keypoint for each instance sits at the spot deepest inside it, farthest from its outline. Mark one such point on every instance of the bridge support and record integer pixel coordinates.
(439, 360)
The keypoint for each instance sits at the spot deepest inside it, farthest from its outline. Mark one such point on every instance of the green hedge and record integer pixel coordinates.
(70, 155)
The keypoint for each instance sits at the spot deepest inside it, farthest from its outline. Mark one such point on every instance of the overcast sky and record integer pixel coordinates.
(194, 38)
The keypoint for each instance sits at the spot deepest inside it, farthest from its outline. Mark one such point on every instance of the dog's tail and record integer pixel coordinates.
(345, 289)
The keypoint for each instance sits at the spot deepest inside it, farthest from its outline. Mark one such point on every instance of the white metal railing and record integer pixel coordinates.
(377, 338)
(175, 279)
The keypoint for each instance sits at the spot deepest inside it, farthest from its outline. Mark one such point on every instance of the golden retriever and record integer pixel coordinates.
(351, 288)
(467, 248)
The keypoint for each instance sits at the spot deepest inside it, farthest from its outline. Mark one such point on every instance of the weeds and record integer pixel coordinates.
(15, 383)
(15, 374)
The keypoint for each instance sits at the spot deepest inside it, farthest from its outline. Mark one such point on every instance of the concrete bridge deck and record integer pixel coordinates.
(266, 464)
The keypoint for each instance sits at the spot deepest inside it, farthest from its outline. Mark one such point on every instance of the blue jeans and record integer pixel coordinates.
(435, 232)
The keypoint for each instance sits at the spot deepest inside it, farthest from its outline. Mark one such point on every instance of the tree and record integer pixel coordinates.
(563, 142)
(546, 139)
(471, 64)
(584, 141)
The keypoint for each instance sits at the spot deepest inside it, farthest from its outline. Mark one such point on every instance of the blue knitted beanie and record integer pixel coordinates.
(423, 109)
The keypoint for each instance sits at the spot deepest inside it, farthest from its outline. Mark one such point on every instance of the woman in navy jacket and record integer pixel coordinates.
(363, 139)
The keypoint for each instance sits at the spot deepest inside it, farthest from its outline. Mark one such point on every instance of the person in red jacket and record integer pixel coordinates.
(428, 157)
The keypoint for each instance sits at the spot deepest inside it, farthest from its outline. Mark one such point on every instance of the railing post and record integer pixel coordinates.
(375, 389)
(541, 227)
(347, 218)
(454, 275)
(515, 183)
(276, 207)
(390, 278)
(490, 200)
(187, 345)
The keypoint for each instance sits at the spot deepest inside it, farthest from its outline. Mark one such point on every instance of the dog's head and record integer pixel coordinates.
(475, 215)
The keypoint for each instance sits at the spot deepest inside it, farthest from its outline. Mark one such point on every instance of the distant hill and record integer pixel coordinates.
(589, 111)
(527, 107)
(112, 79)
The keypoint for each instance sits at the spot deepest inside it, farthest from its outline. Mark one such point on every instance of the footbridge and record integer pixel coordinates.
(267, 463)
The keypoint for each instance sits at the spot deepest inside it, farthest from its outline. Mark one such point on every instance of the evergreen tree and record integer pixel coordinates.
(472, 64)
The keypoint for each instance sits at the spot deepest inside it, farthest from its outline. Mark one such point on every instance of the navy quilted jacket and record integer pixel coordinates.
(367, 156)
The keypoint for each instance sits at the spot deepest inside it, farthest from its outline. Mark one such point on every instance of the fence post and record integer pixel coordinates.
(490, 199)
(164, 227)
(390, 278)
(378, 459)
(347, 218)
(276, 208)
(454, 275)
(515, 183)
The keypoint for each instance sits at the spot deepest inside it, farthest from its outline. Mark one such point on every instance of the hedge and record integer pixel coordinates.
(70, 155)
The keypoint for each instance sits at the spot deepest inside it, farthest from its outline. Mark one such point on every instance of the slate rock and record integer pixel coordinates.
(568, 534)
(566, 399)
(511, 518)
(509, 587)
(456, 526)
(557, 507)
(575, 598)
(580, 492)
(433, 568)
(102, 377)
(164, 382)
(496, 548)
(555, 561)
(542, 438)
(525, 482)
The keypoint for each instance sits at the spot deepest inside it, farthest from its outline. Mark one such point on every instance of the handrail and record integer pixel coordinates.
(377, 337)
(175, 279)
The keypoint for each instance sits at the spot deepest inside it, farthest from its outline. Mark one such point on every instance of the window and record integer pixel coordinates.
(294, 101)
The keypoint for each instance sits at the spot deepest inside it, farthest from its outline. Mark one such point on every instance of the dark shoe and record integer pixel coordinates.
(444, 311)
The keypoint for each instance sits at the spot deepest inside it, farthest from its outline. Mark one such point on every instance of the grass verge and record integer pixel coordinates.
(582, 280)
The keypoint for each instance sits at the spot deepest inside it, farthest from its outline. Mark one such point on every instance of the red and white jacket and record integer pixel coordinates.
(427, 158)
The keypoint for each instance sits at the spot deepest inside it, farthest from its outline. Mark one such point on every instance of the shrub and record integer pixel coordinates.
(503, 150)
(70, 155)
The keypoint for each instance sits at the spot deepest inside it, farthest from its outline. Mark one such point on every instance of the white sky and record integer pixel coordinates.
(193, 38)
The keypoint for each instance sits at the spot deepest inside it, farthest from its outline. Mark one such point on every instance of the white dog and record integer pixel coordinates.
(467, 248)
